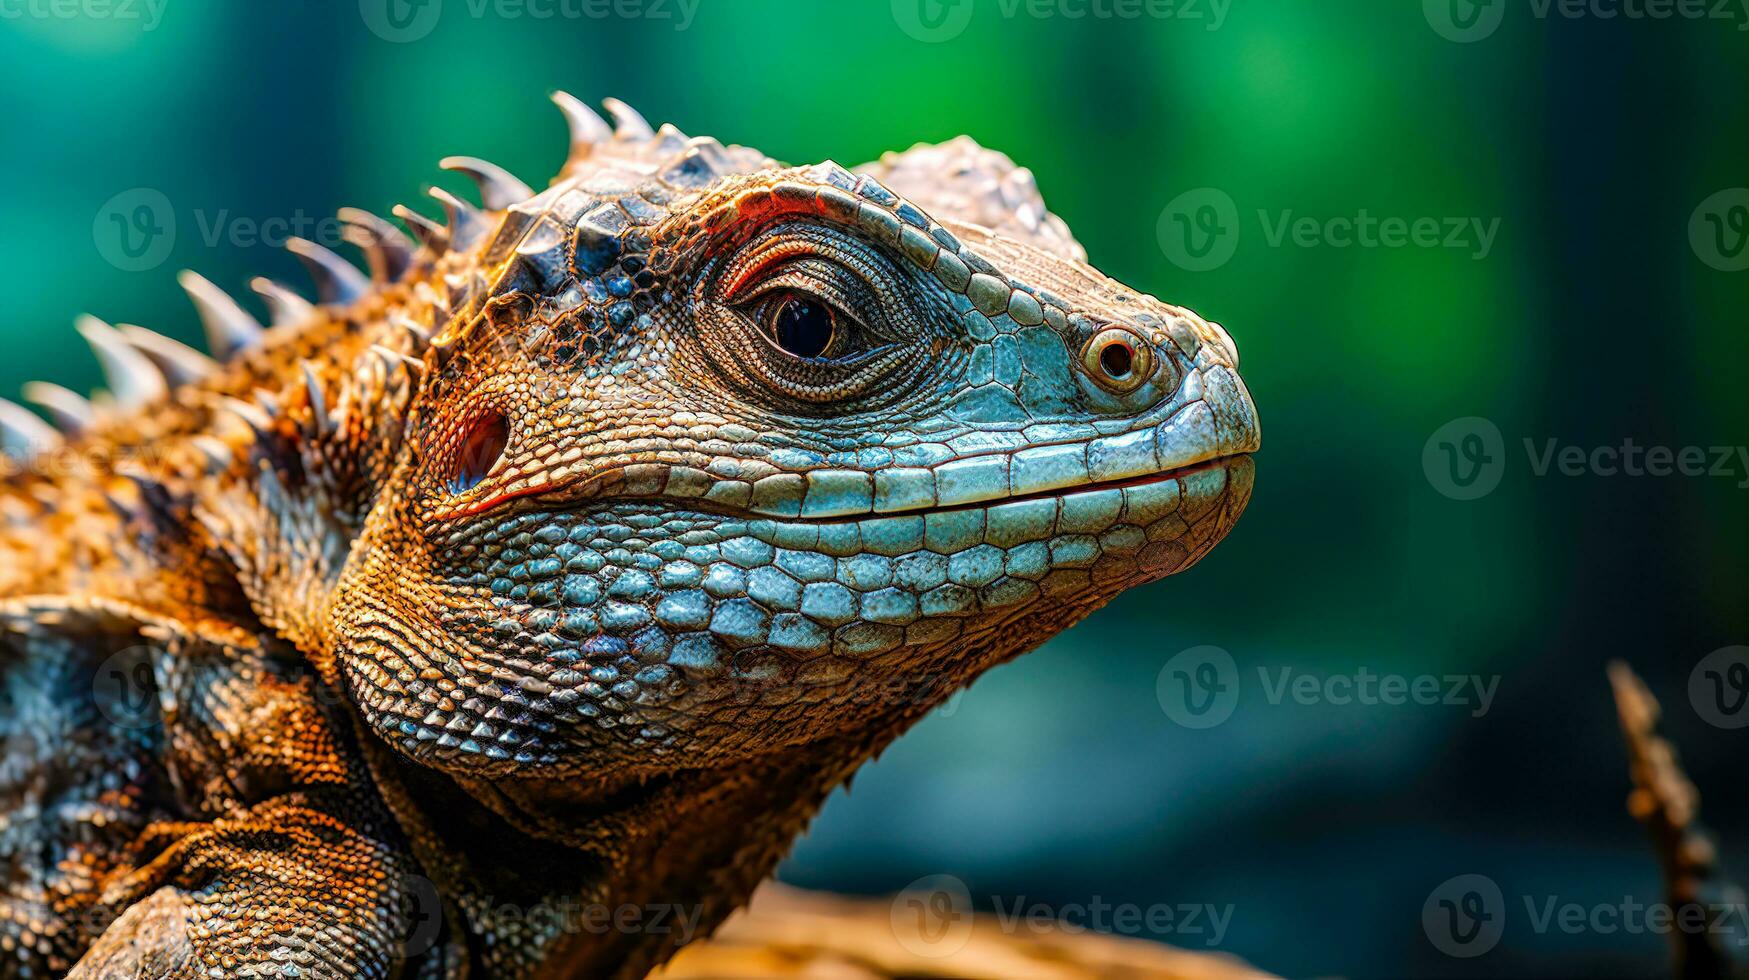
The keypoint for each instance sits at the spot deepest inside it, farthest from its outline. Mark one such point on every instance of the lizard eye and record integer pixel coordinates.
(482, 446)
(1117, 360)
(810, 315)
(803, 317)
(802, 326)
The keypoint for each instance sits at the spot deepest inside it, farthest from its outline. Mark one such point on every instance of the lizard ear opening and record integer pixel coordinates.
(482, 446)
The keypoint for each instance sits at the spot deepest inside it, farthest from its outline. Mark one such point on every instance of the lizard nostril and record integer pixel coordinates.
(1117, 359)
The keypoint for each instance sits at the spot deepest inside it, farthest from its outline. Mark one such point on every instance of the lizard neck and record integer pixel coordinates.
(608, 880)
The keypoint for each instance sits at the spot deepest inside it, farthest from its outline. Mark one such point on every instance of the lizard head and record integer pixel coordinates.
(715, 457)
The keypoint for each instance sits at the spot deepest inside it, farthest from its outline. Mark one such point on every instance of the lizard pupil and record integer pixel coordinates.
(802, 326)
(485, 443)
(1117, 359)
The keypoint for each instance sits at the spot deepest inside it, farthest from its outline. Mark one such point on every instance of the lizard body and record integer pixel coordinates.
(573, 556)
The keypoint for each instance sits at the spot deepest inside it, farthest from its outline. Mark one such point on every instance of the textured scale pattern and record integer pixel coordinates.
(530, 568)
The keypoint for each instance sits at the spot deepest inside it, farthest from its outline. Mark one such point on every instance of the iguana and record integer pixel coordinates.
(508, 611)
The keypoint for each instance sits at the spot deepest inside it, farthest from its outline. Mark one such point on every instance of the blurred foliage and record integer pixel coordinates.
(1591, 140)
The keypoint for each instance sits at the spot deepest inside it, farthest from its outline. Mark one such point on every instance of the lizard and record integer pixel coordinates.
(509, 609)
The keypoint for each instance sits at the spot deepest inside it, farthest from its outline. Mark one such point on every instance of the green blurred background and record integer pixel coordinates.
(1595, 316)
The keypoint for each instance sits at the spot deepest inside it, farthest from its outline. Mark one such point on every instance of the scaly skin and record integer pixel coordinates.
(573, 559)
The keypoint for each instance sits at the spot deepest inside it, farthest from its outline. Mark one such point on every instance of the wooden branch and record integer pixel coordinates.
(1666, 802)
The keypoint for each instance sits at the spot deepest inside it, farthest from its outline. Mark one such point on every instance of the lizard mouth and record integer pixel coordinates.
(612, 487)
(1096, 486)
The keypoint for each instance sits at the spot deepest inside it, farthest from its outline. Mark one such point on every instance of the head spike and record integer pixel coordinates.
(133, 378)
(180, 363)
(219, 456)
(430, 234)
(69, 411)
(417, 335)
(627, 122)
(337, 280)
(268, 401)
(22, 432)
(499, 189)
(392, 358)
(587, 128)
(283, 305)
(228, 328)
(318, 398)
(385, 246)
(252, 415)
(464, 220)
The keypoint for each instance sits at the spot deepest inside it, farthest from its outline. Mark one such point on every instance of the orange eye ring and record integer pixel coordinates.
(1118, 360)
